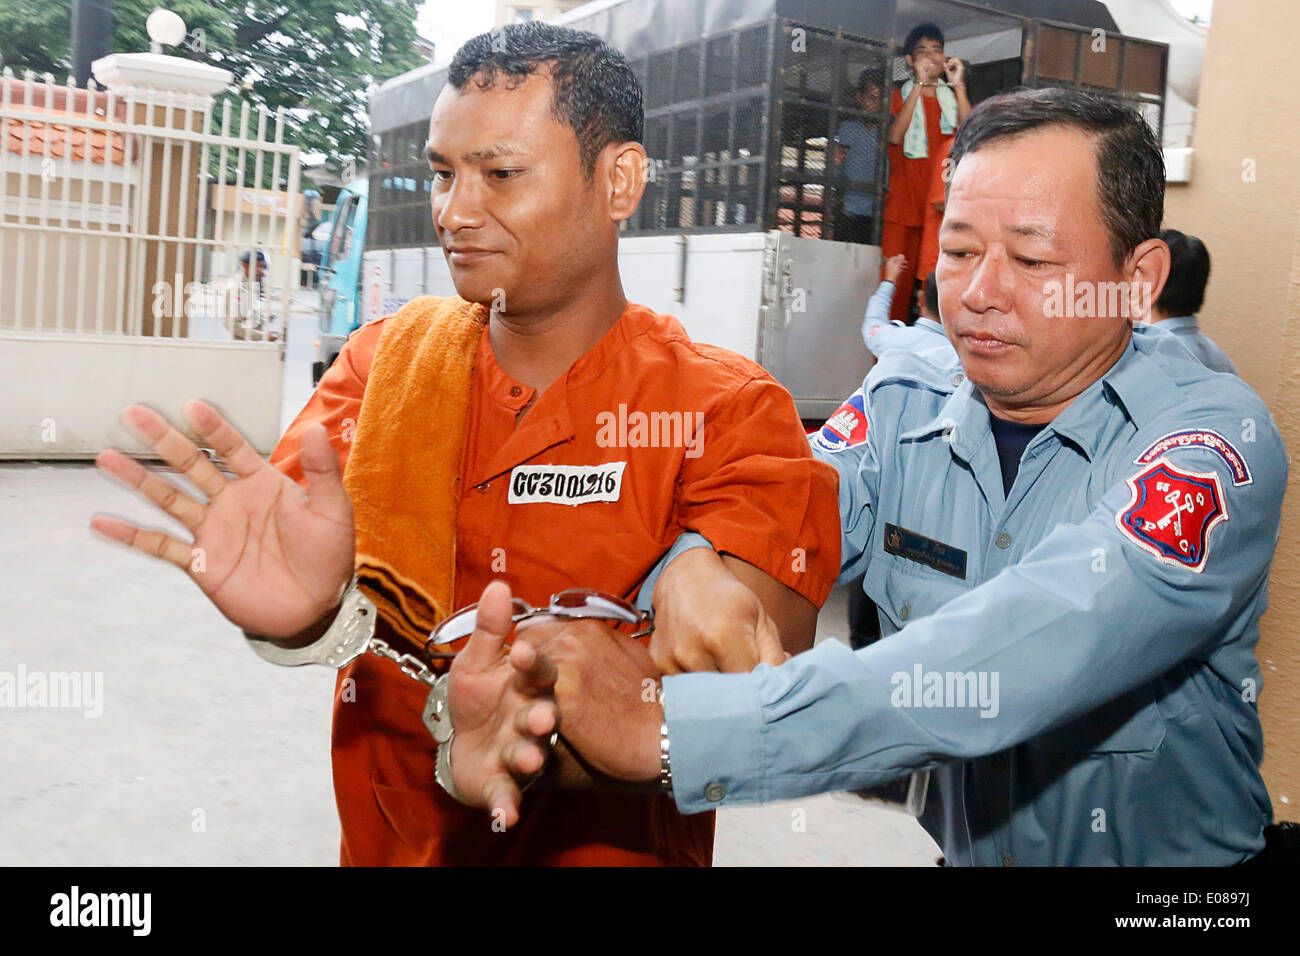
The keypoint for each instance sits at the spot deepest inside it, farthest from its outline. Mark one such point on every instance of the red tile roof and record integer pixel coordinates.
(66, 137)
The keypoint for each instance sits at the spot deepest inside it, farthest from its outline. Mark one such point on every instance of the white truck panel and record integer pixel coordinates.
(719, 303)
(794, 305)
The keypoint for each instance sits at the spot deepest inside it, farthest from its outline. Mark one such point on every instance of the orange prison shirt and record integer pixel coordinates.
(754, 490)
(910, 179)
(905, 203)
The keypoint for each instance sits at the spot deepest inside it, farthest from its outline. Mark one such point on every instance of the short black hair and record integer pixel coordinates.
(867, 78)
(922, 31)
(595, 93)
(1189, 271)
(1130, 163)
(932, 295)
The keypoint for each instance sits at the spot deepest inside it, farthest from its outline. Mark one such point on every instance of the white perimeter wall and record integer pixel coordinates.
(65, 395)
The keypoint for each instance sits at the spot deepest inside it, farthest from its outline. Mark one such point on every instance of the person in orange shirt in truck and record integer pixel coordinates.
(539, 429)
(926, 113)
(934, 203)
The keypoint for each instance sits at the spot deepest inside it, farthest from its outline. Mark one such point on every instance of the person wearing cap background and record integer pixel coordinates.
(249, 305)
(255, 276)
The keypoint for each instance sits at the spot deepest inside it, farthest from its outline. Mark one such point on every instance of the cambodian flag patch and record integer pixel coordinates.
(1172, 513)
(846, 428)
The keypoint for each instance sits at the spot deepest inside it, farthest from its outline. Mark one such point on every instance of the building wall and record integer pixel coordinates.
(1243, 200)
(509, 10)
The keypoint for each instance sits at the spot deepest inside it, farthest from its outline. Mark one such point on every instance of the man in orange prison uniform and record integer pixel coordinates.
(737, 469)
(915, 145)
(534, 147)
(746, 481)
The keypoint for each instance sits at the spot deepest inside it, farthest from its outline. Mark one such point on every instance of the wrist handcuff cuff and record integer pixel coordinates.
(665, 766)
(351, 634)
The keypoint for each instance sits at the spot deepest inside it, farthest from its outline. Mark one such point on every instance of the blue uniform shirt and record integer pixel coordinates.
(881, 335)
(861, 145)
(1074, 661)
(1202, 346)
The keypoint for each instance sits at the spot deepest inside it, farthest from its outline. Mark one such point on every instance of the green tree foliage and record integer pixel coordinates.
(319, 59)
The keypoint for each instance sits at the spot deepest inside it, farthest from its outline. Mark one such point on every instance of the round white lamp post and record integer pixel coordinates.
(165, 29)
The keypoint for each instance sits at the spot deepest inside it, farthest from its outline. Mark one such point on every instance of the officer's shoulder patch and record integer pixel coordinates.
(1172, 513)
(846, 428)
(1202, 438)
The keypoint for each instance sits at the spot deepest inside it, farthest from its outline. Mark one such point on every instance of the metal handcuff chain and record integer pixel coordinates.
(411, 665)
(352, 634)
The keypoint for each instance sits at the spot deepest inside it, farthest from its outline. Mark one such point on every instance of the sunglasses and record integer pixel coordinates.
(575, 603)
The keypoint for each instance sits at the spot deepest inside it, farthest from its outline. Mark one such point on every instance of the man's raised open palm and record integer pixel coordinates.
(273, 558)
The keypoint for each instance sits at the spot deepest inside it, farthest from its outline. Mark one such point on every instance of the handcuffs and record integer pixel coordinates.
(351, 634)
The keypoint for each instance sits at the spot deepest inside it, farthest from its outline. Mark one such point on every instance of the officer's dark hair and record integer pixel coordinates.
(1189, 270)
(922, 31)
(932, 295)
(1130, 164)
(595, 91)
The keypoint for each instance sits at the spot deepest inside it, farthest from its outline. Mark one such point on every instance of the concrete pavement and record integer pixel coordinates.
(201, 754)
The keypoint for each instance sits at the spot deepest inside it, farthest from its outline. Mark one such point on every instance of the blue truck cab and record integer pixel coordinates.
(340, 275)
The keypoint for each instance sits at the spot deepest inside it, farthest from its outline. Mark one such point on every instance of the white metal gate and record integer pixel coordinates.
(132, 224)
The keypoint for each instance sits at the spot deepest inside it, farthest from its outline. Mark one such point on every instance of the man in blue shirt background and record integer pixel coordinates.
(1175, 310)
(880, 333)
(857, 154)
(1068, 530)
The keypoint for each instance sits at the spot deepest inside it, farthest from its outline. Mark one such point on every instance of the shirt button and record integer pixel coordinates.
(1003, 540)
(905, 611)
(482, 489)
(516, 391)
(958, 378)
(714, 792)
(1008, 861)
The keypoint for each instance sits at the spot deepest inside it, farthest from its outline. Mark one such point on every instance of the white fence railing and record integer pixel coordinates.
(126, 213)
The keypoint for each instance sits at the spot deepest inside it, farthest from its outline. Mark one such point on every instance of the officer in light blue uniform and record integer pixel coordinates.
(1175, 309)
(1070, 608)
(1206, 350)
(881, 334)
(1110, 713)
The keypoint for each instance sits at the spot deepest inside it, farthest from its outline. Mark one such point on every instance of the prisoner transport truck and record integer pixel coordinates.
(741, 232)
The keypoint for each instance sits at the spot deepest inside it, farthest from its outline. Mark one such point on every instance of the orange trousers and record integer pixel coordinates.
(897, 239)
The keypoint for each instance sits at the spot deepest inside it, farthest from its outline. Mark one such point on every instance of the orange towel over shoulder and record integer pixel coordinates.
(406, 517)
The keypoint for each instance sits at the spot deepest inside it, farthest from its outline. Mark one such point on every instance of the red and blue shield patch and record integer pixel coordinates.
(1172, 513)
(846, 428)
